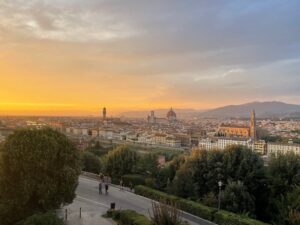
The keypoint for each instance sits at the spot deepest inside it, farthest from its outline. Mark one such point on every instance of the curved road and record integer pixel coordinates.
(87, 192)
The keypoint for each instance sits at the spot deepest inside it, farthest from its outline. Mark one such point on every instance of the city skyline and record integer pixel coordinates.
(72, 57)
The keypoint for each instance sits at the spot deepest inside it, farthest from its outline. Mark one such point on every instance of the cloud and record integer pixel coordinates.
(189, 51)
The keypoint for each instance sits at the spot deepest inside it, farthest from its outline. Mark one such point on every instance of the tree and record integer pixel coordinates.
(147, 165)
(284, 175)
(90, 163)
(288, 208)
(243, 164)
(49, 218)
(39, 172)
(121, 161)
(237, 199)
(183, 183)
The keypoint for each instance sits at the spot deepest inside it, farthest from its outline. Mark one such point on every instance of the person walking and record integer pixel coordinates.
(121, 184)
(106, 184)
(131, 186)
(100, 187)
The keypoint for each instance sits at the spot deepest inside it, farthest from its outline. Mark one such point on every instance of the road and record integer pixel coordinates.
(87, 192)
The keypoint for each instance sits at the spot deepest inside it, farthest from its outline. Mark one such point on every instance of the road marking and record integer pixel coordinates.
(92, 201)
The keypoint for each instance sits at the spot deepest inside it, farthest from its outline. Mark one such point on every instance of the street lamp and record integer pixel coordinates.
(220, 186)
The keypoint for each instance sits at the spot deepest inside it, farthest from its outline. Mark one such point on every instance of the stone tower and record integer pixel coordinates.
(104, 114)
(253, 125)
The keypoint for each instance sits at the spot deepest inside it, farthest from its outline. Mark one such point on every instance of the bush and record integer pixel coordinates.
(135, 179)
(228, 218)
(183, 204)
(165, 214)
(197, 209)
(49, 218)
(128, 217)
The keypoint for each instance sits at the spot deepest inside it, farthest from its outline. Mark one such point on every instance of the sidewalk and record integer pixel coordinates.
(90, 214)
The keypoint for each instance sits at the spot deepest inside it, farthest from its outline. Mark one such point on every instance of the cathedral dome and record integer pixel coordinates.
(171, 114)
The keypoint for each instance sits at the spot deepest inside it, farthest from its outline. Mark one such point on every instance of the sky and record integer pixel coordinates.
(73, 57)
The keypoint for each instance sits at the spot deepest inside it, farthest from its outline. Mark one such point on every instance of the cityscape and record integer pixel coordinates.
(149, 112)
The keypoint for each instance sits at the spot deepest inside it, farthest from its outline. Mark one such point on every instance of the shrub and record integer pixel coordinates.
(135, 179)
(165, 214)
(228, 218)
(197, 209)
(183, 204)
(128, 217)
(49, 218)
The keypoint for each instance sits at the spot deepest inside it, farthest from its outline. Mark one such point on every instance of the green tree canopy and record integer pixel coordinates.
(39, 172)
(237, 199)
(90, 162)
(121, 161)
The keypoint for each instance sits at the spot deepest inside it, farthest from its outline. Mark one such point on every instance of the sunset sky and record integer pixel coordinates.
(72, 57)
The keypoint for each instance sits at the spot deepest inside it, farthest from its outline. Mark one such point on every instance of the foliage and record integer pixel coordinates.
(128, 217)
(90, 162)
(49, 218)
(210, 200)
(227, 218)
(284, 173)
(183, 204)
(121, 161)
(147, 165)
(97, 149)
(289, 208)
(164, 214)
(221, 217)
(134, 179)
(39, 172)
(237, 199)
(201, 171)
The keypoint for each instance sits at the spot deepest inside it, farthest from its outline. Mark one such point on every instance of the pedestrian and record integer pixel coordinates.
(121, 184)
(106, 184)
(100, 187)
(131, 186)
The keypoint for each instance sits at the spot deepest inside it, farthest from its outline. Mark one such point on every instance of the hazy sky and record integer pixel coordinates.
(74, 57)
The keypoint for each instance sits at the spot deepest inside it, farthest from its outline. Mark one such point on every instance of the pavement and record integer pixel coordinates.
(93, 205)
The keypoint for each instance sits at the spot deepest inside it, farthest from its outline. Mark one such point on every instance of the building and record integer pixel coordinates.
(171, 116)
(227, 130)
(260, 146)
(274, 149)
(104, 113)
(231, 130)
(222, 143)
(253, 126)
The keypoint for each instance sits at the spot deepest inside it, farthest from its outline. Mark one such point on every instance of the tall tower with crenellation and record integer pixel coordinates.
(253, 126)
(104, 114)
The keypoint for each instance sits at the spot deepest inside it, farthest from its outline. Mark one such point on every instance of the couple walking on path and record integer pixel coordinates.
(104, 181)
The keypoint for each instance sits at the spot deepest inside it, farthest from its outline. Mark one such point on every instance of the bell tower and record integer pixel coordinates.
(104, 114)
(253, 125)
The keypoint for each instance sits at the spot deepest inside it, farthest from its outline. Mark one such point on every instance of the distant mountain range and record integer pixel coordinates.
(262, 109)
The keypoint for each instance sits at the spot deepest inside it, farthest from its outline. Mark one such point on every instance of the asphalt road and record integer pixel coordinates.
(87, 192)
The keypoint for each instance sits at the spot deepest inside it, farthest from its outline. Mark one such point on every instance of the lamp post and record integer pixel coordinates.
(220, 186)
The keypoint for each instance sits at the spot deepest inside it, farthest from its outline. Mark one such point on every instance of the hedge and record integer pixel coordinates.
(135, 179)
(183, 204)
(198, 209)
(128, 217)
(49, 218)
(228, 218)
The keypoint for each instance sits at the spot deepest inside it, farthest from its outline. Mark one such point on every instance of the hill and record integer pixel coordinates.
(262, 109)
